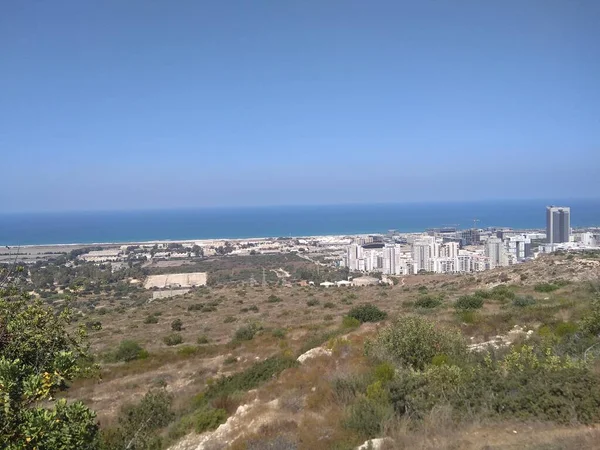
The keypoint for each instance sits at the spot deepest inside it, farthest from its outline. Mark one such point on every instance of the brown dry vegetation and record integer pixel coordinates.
(300, 404)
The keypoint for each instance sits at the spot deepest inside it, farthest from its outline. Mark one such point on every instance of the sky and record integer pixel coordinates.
(160, 104)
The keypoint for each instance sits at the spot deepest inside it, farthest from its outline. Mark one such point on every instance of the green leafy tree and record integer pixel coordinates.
(38, 356)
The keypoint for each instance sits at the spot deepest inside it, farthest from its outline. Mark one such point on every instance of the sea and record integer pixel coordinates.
(87, 227)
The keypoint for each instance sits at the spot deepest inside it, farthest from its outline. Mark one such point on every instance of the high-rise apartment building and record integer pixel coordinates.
(558, 224)
(496, 252)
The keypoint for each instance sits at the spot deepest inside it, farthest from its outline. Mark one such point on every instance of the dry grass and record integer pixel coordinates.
(309, 414)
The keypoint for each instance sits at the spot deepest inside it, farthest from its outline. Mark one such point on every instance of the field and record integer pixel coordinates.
(229, 329)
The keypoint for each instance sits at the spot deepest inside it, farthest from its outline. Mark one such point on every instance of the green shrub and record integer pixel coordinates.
(468, 316)
(253, 308)
(367, 313)
(202, 339)
(523, 302)
(209, 419)
(312, 302)
(129, 350)
(590, 323)
(273, 299)
(245, 333)
(95, 325)
(173, 339)
(367, 417)
(468, 302)
(501, 293)
(196, 307)
(187, 350)
(545, 287)
(151, 319)
(348, 387)
(329, 305)
(208, 308)
(229, 319)
(428, 301)
(177, 325)
(384, 372)
(414, 341)
(563, 329)
(278, 333)
(139, 424)
(230, 360)
(250, 378)
(350, 322)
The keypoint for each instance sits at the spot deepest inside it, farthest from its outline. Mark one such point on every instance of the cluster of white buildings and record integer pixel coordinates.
(425, 253)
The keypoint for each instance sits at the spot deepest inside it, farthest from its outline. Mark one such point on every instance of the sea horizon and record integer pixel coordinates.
(245, 222)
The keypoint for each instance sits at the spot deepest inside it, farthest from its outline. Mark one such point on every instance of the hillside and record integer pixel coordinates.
(188, 345)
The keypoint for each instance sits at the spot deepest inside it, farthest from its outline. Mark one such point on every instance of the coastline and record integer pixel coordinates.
(29, 230)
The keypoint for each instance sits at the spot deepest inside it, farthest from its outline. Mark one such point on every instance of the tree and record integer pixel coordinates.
(38, 356)
(197, 251)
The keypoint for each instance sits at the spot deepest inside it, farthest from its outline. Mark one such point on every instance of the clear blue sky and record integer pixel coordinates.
(144, 104)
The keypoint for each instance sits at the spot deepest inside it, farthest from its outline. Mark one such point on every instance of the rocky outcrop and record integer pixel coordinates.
(313, 353)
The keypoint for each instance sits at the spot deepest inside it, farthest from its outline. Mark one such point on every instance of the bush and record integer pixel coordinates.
(202, 340)
(187, 350)
(195, 307)
(139, 424)
(523, 302)
(249, 378)
(591, 321)
(209, 419)
(177, 325)
(501, 293)
(350, 322)
(367, 417)
(278, 333)
(229, 319)
(525, 385)
(312, 302)
(348, 387)
(173, 339)
(545, 287)
(428, 301)
(130, 350)
(253, 308)
(469, 302)
(273, 299)
(329, 305)
(39, 356)
(151, 319)
(95, 325)
(367, 313)
(384, 372)
(230, 360)
(246, 333)
(414, 342)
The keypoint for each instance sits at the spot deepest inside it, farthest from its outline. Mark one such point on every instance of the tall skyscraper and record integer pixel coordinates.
(558, 224)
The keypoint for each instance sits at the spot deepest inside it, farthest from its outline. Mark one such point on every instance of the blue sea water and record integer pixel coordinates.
(139, 226)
